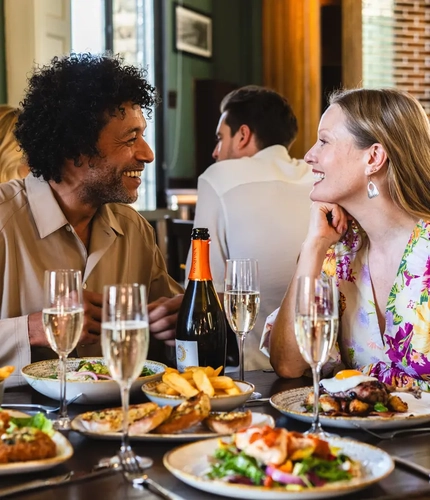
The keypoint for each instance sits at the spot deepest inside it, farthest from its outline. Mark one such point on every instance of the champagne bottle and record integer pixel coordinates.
(201, 330)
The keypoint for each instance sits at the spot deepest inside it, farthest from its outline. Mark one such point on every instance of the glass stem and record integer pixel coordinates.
(62, 377)
(125, 397)
(241, 358)
(316, 376)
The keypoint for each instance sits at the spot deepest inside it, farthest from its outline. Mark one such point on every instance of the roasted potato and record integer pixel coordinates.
(357, 407)
(397, 404)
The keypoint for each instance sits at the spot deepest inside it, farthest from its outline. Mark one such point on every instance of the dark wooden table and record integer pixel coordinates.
(400, 484)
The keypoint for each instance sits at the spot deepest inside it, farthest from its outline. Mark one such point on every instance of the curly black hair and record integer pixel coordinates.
(69, 102)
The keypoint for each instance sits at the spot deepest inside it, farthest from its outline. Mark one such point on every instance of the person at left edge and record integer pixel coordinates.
(82, 132)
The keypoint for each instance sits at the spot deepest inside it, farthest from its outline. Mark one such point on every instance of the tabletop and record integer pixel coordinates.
(87, 453)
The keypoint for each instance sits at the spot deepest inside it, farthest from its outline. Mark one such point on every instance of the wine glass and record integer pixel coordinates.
(316, 325)
(125, 342)
(241, 300)
(63, 317)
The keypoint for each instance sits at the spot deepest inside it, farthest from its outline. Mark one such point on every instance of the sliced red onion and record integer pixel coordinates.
(238, 479)
(101, 375)
(283, 477)
(90, 374)
(315, 480)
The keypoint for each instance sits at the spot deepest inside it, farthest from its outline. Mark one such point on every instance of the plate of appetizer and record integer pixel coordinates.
(188, 421)
(86, 376)
(351, 398)
(29, 443)
(274, 464)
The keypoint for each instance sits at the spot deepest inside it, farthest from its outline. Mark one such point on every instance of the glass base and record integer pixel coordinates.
(114, 462)
(62, 424)
(317, 430)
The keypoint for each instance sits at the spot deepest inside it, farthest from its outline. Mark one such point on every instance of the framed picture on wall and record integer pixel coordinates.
(193, 32)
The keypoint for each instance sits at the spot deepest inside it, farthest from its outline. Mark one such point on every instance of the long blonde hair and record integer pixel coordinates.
(11, 157)
(397, 121)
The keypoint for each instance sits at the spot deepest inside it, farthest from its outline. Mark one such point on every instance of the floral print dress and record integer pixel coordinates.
(401, 355)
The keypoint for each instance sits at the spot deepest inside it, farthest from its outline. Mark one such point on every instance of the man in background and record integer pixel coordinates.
(255, 198)
(82, 132)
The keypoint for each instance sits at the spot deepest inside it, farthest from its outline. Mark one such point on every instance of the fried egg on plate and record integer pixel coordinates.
(345, 380)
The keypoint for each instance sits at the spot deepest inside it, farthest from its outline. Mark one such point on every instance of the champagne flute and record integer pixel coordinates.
(241, 300)
(125, 342)
(63, 317)
(316, 326)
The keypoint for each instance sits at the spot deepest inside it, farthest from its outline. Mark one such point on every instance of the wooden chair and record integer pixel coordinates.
(178, 235)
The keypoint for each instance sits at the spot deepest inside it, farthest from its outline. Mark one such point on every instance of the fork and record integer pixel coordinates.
(46, 408)
(392, 434)
(134, 475)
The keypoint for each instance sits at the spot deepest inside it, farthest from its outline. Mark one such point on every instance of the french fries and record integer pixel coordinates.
(196, 379)
(180, 384)
(5, 371)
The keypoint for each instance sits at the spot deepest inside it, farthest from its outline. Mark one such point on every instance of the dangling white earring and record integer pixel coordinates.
(372, 190)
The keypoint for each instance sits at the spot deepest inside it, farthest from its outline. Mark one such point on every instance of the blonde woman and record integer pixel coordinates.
(370, 227)
(11, 158)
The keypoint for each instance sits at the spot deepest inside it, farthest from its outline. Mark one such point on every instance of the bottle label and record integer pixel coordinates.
(187, 354)
(200, 269)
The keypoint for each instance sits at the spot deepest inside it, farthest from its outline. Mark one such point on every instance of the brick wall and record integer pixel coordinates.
(396, 46)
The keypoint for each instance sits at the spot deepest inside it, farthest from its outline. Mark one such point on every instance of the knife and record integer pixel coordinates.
(412, 466)
(37, 483)
(52, 481)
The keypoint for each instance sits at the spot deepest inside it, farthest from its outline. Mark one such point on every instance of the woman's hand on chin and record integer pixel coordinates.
(328, 222)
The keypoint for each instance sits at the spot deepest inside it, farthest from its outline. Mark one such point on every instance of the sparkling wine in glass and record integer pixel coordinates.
(241, 300)
(63, 316)
(316, 326)
(125, 342)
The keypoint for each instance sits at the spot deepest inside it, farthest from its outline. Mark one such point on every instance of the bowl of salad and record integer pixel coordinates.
(86, 376)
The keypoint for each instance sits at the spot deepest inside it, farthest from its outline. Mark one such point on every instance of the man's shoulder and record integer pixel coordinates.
(272, 164)
(13, 197)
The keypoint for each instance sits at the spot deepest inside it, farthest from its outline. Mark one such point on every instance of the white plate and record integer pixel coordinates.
(218, 403)
(93, 391)
(196, 432)
(64, 452)
(189, 463)
(290, 403)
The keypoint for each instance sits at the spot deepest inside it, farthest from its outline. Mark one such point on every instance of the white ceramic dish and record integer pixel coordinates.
(38, 376)
(64, 452)
(218, 403)
(192, 434)
(189, 463)
(290, 403)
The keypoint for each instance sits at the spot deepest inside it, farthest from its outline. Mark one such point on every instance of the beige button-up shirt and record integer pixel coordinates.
(35, 235)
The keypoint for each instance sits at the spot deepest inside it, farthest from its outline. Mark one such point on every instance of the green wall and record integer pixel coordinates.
(237, 58)
(3, 91)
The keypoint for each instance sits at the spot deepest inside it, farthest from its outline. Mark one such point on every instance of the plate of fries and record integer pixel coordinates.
(225, 393)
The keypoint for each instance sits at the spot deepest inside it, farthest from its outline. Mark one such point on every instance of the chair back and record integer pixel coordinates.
(178, 235)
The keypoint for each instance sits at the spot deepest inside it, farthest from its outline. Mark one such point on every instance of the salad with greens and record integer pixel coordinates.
(10, 424)
(276, 458)
(95, 370)
(37, 421)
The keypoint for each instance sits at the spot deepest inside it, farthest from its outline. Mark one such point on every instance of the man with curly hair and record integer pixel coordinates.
(82, 132)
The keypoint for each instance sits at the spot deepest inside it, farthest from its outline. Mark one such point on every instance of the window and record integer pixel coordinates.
(131, 34)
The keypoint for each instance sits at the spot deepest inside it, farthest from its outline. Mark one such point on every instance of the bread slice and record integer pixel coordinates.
(228, 422)
(191, 412)
(143, 424)
(110, 420)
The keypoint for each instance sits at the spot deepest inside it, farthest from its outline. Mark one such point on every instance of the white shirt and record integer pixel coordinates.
(256, 208)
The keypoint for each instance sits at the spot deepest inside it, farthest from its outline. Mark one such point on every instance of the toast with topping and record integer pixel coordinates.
(228, 422)
(191, 412)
